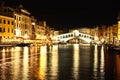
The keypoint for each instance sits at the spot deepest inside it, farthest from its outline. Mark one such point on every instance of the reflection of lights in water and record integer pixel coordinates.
(17, 49)
(3, 50)
(102, 59)
(7, 50)
(98, 66)
(16, 57)
(43, 49)
(54, 61)
(76, 60)
(25, 54)
(95, 61)
(3, 67)
(117, 67)
(12, 49)
(25, 63)
(43, 62)
(3, 56)
(34, 50)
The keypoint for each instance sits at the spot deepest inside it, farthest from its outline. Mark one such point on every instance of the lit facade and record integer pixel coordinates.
(40, 32)
(85, 30)
(118, 30)
(26, 28)
(6, 29)
(111, 34)
(18, 26)
(23, 24)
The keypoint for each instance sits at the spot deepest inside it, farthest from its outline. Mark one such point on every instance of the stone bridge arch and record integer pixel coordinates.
(68, 36)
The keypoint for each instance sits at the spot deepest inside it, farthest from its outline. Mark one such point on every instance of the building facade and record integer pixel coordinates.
(6, 29)
(40, 31)
(17, 25)
(6, 24)
(22, 24)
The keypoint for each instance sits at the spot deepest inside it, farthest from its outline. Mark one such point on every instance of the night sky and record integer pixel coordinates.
(72, 13)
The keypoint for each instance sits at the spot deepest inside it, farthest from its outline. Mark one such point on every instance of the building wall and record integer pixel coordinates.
(22, 29)
(26, 28)
(102, 32)
(23, 25)
(17, 25)
(118, 30)
(40, 32)
(6, 28)
(85, 30)
(111, 33)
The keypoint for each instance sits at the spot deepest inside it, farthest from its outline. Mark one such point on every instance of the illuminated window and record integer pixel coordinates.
(12, 22)
(25, 26)
(3, 29)
(4, 21)
(15, 17)
(19, 18)
(8, 22)
(0, 29)
(8, 30)
(12, 30)
(0, 20)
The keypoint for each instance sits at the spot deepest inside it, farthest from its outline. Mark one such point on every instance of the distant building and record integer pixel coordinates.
(118, 26)
(111, 34)
(39, 31)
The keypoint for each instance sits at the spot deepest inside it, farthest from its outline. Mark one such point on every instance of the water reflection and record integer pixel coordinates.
(59, 62)
(43, 63)
(117, 67)
(65, 62)
(102, 60)
(15, 62)
(76, 60)
(54, 62)
(3, 65)
(95, 63)
(112, 66)
(98, 68)
(25, 63)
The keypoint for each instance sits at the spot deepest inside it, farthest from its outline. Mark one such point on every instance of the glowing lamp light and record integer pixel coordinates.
(33, 23)
(118, 22)
(17, 32)
(25, 36)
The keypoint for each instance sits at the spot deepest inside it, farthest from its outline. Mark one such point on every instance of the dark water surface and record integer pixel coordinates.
(59, 62)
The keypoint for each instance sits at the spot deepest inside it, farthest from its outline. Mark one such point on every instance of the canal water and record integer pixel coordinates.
(59, 62)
